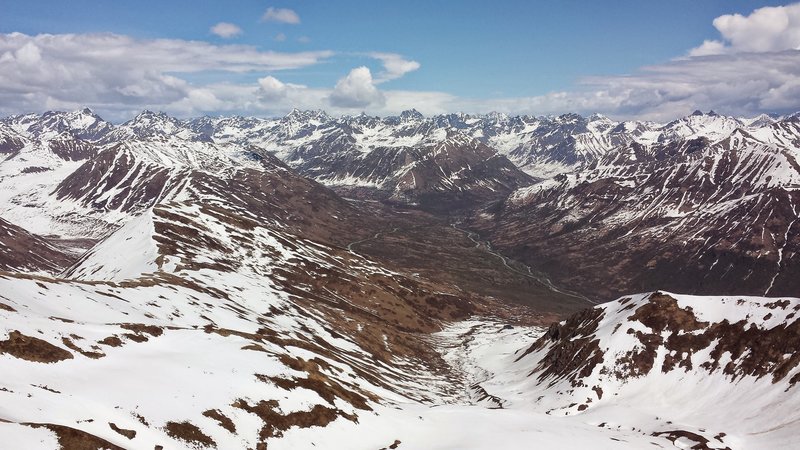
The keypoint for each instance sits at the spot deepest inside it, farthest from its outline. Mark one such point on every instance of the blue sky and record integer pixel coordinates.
(471, 55)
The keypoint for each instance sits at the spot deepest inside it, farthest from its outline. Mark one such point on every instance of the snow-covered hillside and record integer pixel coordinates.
(715, 371)
(202, 324)
(654, 369)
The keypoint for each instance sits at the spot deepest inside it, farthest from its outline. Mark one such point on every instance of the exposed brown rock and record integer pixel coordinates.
(573, 352)
(275, 423)
(130, 434)
(320, 383)
(33, 349)
(74, 439)
(111, 341)
(140, 328)
(224, 421)
(89, 354)
(188, 432)
(701, 443)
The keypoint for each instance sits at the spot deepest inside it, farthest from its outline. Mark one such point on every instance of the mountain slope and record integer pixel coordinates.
(690, 216)
(278, 325)
(26, 252)
(678, 362)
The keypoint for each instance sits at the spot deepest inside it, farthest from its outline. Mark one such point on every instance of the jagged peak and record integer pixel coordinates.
(496, 115)
(710, 113)
(297, 114)
(151, 113)
(570, 117)
(599, 117)
(148, 116)
(411, 114)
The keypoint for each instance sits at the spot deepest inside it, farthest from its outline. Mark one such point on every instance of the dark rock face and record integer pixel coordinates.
(10, 141)
(72, 149)
(455, 175)
(573, 349)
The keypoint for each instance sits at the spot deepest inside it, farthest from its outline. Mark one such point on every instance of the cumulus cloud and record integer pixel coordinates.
(709, 47)
(226, 30)
(767, 29)
(280, 15)
(280, 37)
(356, 90)
(394, 66)
(271, 87)
(115, 71)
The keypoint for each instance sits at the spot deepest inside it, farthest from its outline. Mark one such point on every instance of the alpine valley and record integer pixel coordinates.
(405, 282)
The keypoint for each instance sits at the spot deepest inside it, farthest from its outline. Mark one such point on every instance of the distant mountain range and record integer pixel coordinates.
(701, 204)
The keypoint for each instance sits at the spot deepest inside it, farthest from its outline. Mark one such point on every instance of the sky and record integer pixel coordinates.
(626, 59)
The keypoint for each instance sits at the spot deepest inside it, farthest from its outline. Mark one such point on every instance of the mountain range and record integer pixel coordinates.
(455, 281)
(688, 205)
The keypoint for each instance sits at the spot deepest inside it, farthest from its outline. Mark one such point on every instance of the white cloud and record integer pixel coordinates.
(166, 55)
(226, 30)
(394, 66)
(116, 72)
(271, 88)
(356, 90)
(280, 15)
(280, 37)
(271, 84)
(27, 55)
(304, 39)
(201, 99)
(709, 47)
(733, 84)
(767, 29)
